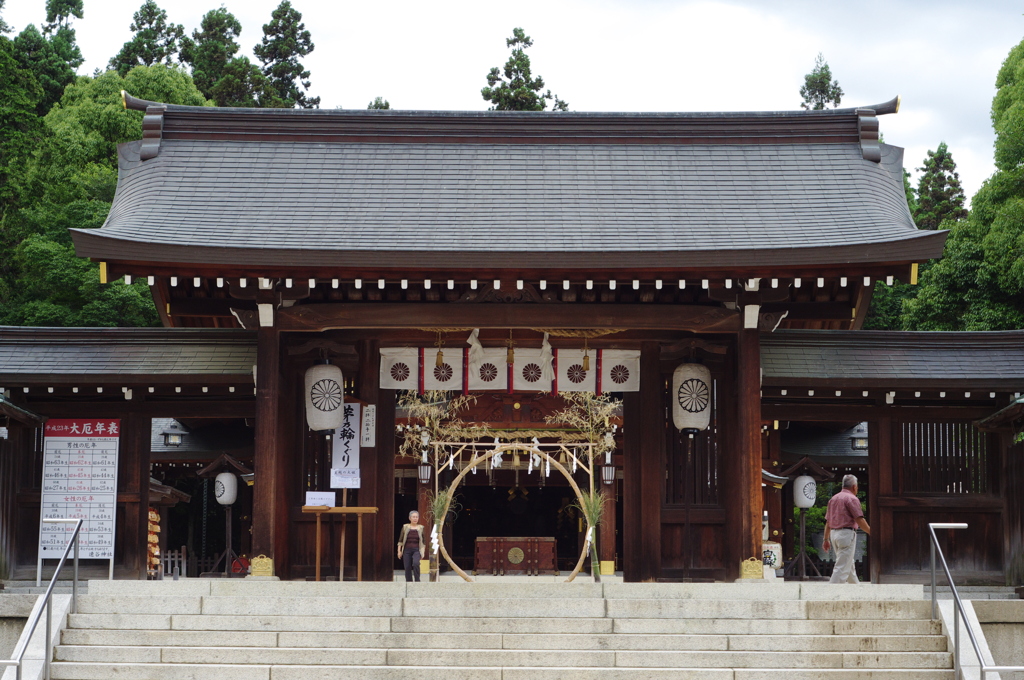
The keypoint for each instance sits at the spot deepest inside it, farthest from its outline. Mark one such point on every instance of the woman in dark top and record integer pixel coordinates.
(409, 546)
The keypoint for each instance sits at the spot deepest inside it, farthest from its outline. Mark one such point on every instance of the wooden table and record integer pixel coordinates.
(319, 510)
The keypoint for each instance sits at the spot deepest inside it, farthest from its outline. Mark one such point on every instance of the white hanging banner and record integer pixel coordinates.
(528, 371)
(345, 456)
(489, 371)
(447, 376)
(399, 368)
(346, 439)
(571, 376)
(368, 436)
(620, 370)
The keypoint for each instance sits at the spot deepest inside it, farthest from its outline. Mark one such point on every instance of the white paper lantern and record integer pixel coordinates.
(324, 397)
(691, 397)
(225, 488)
(805, 491)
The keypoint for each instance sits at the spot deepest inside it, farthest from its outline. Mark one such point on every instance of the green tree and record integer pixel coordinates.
(939, 194)
(211, 48)
(285, 39)
(938, 201)
(155, 40)
(515, 88)
(243, 84)
(59, 13)
(819, 89)
(20, 125)
(52, 70)
(69, 183)
(979, 283)
(379, 104)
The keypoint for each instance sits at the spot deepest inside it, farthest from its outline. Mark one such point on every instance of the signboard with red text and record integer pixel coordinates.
(80, 481)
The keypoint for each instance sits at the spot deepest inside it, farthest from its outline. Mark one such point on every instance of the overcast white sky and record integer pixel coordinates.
(941, 56)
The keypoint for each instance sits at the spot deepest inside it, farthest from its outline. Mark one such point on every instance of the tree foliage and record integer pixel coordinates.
(820, 90)
(939, 194)
(979, 283)
(68, 182)
(515, 88)
(285, 39)
(48, 59)
(155, 41)
(211, 47)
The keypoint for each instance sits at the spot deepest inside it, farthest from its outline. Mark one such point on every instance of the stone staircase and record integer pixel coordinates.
(261, 630)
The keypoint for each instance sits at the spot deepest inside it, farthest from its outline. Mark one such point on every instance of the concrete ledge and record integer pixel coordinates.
(590, 626)
(308, 606)
(105, 671)
(502, 590)
(778, 590)
(187, 586)
(512, 608)
(862, 591)
(279, 623)
(385, 673)
(123, 604)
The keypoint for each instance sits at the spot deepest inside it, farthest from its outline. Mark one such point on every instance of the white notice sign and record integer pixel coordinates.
(320, 498)
(79, 481)
(369, 429)
(344, 479)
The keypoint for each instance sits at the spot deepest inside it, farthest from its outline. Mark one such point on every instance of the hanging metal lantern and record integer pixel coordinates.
(805, 491)
(225, 488)
(324, 397)
(691, 397)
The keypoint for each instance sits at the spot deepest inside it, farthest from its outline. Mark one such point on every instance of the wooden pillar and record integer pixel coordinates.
(748, 448)
(378, 469)
(880, 484)
(644, 470)
(268, 533)
(134, 452)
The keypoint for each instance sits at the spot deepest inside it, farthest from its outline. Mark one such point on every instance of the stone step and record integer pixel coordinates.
(422, 657)
(796, 643)
(101, 671)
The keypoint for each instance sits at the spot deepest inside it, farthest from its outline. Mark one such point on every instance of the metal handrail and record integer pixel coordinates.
(959, 611)
(19, 651)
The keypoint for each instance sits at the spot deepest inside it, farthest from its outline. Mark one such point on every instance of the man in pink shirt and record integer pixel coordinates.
(841, 521)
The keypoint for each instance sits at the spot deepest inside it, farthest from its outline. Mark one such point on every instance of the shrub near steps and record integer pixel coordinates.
(260, 630)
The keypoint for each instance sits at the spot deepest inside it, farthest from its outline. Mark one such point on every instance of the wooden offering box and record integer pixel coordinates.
(500, 556)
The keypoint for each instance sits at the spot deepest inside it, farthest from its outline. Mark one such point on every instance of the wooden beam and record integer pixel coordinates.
(320, 317)
(854, 412)
(85, 408)
(265, 532)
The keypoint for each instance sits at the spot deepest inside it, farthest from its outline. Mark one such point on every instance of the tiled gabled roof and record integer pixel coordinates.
(437, 189)
(63, 355)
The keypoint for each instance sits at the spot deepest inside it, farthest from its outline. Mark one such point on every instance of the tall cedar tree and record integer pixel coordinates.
(939, 194)
(211, 48)
(979, 282)
(819, 89)
(517, 90)
(243, 84)
(155, 41)
(285, 39)
(938, 198)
